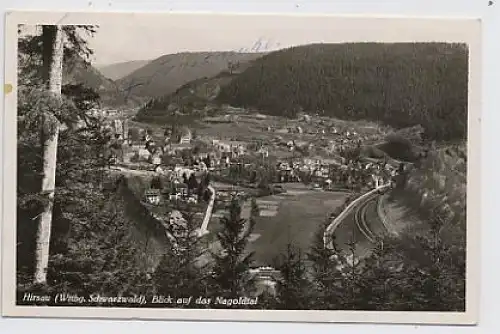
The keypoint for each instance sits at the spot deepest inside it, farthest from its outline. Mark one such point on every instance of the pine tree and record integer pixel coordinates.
(326, 271)
(254, 213)
(41, 59)
(379, 282)
(442, 281)
(91, 241)
(192, 182)
(230, 276)
(411, 273)
(293, 288)
(79, 160)
(99, 249)
(179, 273)
(352, 280)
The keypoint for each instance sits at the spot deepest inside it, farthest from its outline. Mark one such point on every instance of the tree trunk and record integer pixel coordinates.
(53, 50)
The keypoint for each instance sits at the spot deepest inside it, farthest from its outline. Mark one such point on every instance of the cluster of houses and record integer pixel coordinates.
(331, 173)
(177, 158)
(230, 148)
(336, 145)
(219, 152)
(178, 191)
(293, 171)
(312, 130)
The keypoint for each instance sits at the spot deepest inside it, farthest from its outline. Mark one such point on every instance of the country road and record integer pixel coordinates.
(208, 214)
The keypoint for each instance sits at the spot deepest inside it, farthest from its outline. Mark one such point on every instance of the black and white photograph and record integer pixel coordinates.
(240, 167)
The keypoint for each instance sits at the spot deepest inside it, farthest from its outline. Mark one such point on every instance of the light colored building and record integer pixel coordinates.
(266, 279)
(264, 152)
(179, 171)
(186, 138)
(156, 158)
(153, 196)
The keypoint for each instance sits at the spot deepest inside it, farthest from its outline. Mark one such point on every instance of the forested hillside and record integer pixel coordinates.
(193, 95)
(399, 84)
(166, 74)
(78, 71)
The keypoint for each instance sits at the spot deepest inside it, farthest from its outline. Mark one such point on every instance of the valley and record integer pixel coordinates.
(307, 176)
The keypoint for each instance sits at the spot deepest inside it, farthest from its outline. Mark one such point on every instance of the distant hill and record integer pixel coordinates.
(166, 74)
(186, 100)
(401, 84)
(77, 71)
(120, 70)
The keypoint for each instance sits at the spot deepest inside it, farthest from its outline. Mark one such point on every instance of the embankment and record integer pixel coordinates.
(149, 233)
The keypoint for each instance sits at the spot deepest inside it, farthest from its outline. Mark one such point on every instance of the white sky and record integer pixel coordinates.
(126, 37)
(117, 43)
(141, 43)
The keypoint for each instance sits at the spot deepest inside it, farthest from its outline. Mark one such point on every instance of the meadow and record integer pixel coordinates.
(300, 212)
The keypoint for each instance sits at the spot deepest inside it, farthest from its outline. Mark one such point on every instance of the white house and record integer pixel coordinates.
(264, 152)
(179, 171)
(153, 196)
(186, 136)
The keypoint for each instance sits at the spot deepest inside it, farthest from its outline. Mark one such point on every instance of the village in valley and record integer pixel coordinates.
(314, 177)
(203, 166)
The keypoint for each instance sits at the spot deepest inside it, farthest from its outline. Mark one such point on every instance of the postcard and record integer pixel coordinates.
(242, 167)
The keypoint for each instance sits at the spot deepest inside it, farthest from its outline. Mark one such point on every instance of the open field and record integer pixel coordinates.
(290, 217)
(298, 216)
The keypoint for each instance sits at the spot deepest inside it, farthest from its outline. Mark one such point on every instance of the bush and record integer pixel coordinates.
(135, 157)
(400, 148)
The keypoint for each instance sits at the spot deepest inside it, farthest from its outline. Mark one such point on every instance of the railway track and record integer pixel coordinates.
(367, 220)
(352, 213)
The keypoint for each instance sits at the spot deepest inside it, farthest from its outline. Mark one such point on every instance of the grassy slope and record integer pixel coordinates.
(120, 70)
(166, 74)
